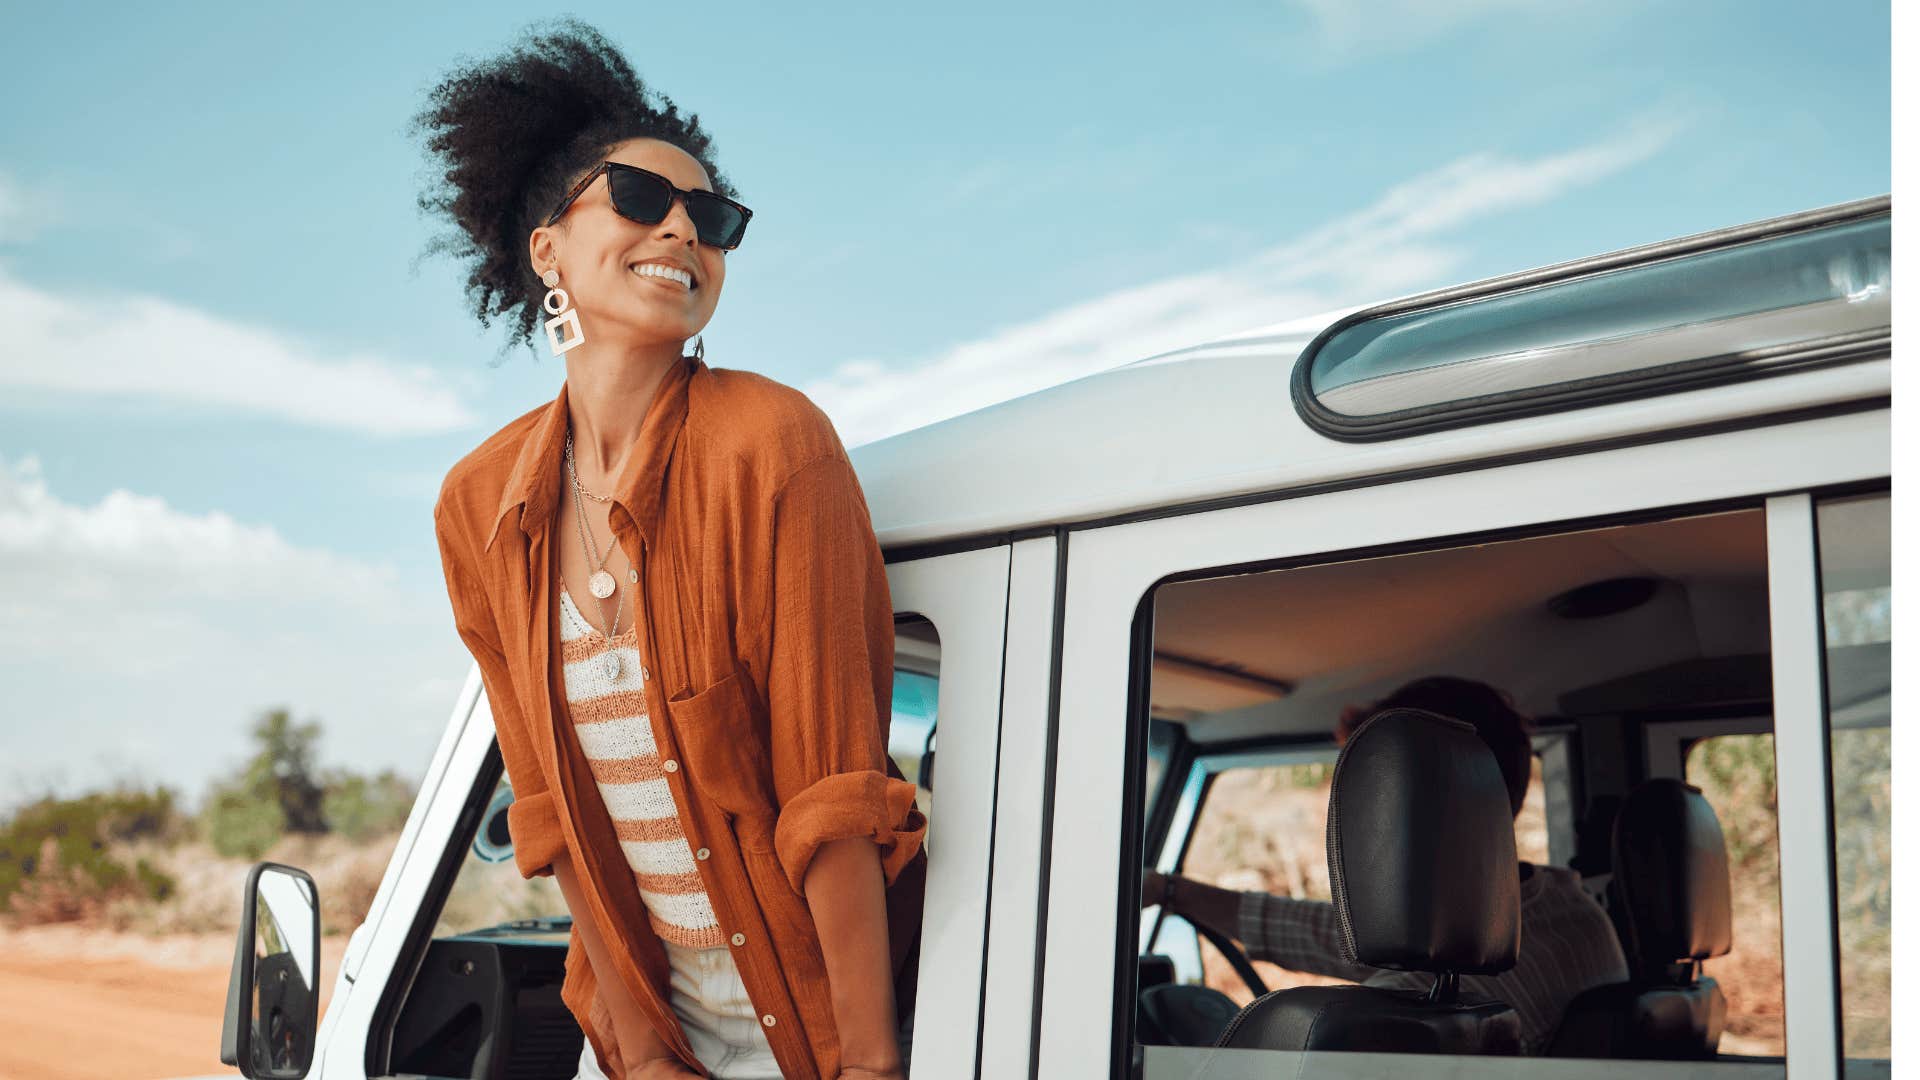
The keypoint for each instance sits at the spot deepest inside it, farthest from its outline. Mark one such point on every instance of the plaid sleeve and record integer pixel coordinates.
(1300, 935)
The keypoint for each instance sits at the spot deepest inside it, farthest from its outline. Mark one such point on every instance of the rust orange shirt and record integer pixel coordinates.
(768, 632)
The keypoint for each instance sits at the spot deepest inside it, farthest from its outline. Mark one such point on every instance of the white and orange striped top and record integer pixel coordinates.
(606, 695)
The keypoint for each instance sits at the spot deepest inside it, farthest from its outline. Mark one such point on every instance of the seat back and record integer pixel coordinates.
(1421, 858)
(1674, 893)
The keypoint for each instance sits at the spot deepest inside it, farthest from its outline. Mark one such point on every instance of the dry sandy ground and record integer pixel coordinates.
(79, 1003)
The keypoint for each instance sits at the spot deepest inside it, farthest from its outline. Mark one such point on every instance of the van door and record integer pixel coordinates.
(1090, 932)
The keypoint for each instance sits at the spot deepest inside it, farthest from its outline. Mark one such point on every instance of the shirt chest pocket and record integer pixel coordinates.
(723, 745)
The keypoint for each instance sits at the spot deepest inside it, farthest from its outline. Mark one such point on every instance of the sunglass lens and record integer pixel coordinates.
(718, 221)
(640, 196)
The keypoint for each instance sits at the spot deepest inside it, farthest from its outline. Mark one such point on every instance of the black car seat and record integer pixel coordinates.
(1674, 895)
(1421, 860)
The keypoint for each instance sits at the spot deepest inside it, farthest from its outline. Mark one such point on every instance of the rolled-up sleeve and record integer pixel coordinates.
(830, 677)
(532, 819)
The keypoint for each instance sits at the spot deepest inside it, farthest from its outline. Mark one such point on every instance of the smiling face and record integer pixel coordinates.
(597, 251)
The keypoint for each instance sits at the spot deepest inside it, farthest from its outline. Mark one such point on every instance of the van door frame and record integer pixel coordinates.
(1006, 1033)
(1108, 615)
(964, 595)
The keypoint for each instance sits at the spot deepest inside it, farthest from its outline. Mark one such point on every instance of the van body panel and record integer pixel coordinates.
(1221, 425)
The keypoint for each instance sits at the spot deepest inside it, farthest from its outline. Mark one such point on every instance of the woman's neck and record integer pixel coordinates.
(607, 405)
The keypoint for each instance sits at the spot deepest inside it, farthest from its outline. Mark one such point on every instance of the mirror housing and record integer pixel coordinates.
(273, 995)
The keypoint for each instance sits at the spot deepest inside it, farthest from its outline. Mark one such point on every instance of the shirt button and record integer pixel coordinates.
(767, 1019)
(702, 853)
(632, 574)
(670, 765)
(643, 673)
(739, 939)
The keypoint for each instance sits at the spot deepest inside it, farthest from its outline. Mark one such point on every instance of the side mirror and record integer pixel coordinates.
(273, 996)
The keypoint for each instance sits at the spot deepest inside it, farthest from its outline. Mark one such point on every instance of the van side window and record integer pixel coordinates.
(1735, 772)
(1856, 547)
(1504, 716)
(916, 704)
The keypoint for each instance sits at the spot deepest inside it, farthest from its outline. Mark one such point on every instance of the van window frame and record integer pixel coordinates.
(1782, 520)
(1595, 390)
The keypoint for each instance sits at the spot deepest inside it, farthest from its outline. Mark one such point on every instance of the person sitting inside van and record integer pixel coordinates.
(1567, 943)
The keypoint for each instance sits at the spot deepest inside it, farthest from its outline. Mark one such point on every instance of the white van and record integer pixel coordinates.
(1644, 494)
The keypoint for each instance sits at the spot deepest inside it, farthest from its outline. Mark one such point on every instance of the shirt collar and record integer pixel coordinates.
(535, 482)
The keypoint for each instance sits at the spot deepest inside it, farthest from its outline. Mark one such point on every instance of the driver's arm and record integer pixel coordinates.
(1300, 935)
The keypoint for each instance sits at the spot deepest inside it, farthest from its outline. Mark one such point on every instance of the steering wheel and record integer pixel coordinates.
(1195, 1014)
(1235, 955)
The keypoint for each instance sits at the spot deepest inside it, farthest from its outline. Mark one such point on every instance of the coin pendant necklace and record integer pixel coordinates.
(610, 659)
(601, 583)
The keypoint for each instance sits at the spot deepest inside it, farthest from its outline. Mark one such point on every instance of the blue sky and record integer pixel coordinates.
(232, 385)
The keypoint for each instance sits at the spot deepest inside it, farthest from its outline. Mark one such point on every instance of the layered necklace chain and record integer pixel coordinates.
(600, 584)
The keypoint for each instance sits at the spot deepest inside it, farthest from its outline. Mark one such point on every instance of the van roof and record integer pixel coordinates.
(1217, 419)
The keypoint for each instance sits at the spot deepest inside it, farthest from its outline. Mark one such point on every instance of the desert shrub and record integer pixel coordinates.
(272, 793)
(360, 807)
(238, 823)
(58, 860)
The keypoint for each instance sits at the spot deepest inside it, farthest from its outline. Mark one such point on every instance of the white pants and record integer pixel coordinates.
(706, 992)
(717, 1015)
(708, 995)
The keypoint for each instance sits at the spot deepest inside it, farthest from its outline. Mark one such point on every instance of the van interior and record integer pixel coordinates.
(1639, 652)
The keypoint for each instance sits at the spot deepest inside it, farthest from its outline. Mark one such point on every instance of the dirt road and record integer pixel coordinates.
(86, 1004)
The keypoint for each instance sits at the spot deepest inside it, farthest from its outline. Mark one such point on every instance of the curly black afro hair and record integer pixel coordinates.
(510, 134)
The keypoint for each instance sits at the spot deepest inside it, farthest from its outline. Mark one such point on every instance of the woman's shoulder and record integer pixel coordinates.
(773, 426)
(474, 483)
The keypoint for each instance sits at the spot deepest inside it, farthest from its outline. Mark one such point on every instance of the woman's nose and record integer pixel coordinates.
(678, 222)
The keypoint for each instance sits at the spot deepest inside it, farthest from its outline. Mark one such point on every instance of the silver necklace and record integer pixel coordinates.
(601, 583)
(610, 659)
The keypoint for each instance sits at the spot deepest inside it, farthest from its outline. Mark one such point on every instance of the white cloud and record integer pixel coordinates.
(166, 352)
(1342, 31)
(1388, 248)
(130, 550)
(139, 638)
(23, 212)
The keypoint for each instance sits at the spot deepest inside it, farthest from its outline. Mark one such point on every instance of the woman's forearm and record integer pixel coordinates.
(639, 1043)
(847, 894)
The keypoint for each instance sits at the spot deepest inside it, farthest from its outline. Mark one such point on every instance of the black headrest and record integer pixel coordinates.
(1670, 871)
(1420, 847)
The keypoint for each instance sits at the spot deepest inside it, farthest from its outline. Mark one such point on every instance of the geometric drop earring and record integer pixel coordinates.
(556, 303)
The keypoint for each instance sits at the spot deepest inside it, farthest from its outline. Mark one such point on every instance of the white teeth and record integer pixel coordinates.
(672, 273)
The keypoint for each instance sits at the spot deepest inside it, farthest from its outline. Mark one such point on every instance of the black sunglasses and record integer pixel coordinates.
(647, 196)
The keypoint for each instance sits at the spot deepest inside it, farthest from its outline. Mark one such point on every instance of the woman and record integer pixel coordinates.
(687, 642)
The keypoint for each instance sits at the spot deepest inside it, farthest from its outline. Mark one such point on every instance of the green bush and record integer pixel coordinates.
(361, 807)
(57, 856)
(238, 823)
